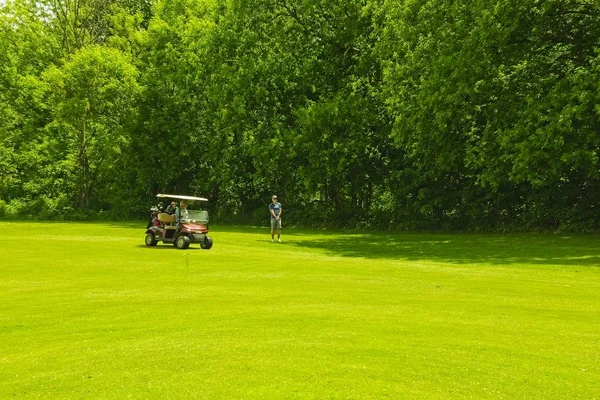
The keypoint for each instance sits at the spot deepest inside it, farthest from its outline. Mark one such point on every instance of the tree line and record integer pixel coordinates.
(399, 114)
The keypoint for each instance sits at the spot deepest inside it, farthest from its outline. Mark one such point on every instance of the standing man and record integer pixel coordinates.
(275, 210)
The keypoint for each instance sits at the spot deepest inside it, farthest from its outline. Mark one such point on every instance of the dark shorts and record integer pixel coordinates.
(275, 223)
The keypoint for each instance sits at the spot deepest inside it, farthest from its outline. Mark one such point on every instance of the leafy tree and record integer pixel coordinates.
(92, 99)
(411, 114)
(484, 99)
(25, 51)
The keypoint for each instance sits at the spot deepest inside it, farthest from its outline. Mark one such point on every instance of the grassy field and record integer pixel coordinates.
(87, 311)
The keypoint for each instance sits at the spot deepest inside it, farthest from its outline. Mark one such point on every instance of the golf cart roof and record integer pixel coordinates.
(180, 197)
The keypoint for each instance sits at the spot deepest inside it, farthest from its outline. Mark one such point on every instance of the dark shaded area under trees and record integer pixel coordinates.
(410, 114)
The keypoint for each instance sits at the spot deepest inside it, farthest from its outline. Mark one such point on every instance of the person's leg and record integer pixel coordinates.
(272, 231)
(279, 230)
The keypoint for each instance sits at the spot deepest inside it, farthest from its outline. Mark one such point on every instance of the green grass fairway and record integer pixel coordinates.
(88, 312)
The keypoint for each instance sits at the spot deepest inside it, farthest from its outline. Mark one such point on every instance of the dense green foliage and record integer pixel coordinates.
(391, 114)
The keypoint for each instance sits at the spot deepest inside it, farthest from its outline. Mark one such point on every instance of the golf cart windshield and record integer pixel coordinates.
(199, 216)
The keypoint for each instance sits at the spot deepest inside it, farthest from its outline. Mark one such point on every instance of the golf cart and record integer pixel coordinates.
(181, 228)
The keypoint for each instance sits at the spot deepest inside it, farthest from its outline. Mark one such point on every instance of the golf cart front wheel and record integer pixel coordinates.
(182, 242)
(206, 243)
(150, 240)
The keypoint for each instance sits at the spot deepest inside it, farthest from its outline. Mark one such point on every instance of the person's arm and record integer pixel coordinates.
(272, 211)
(280, 212)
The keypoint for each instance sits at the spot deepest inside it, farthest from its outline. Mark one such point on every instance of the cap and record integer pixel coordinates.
(274, 196)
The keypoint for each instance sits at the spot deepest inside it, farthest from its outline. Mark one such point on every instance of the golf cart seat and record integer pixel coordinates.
(166, 218)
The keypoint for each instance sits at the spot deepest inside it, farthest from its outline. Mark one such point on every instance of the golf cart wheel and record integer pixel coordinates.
(206, 243)
(150, 240)
(182, 242)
